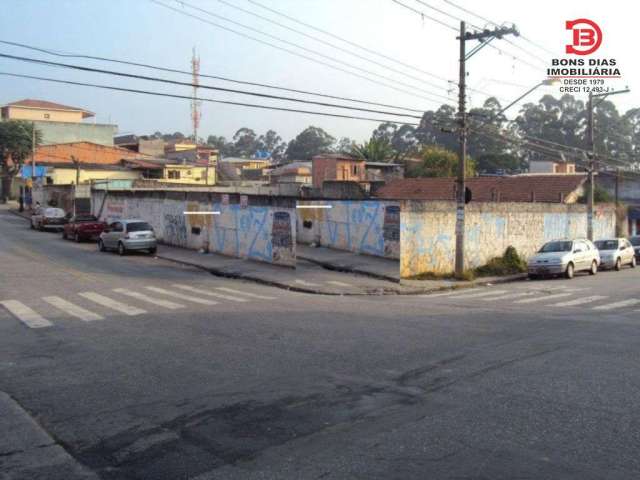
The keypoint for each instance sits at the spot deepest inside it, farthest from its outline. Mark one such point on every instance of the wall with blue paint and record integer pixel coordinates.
(365, 227)
(428, 231)
(255, 229)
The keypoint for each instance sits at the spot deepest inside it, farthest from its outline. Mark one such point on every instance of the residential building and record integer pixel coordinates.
(59, 123)
(144, 144)
(337, 167)
(164, 170)
(383, 171)
(551, 166)
(294, 172)
(197, 155)
(235, 168)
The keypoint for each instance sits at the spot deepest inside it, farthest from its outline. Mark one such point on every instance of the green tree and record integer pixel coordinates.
(344, 145)
(272, 142)
(224, 147)
(375, 150)
(245, 142)
(436, 161)
(311, 141)
(16, 141)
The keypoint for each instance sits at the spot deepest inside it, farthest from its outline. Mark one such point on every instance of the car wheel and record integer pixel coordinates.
(64, 235)
(101, 246)
(153, 250)
(594, 268)
(40, 227)
(76, 237)
(32, 227)
(569, 271)
(121, 249)
(632, 264)
(618, 265)
(532, 276)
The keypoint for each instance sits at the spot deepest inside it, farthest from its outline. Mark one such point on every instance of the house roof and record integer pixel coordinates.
(83, 152)
(293, 168)
(337, 156)
(517, 188)
(45, 105)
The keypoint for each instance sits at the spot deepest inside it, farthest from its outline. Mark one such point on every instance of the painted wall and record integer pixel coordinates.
(428, 231)
(65, 176)
(249, 227)
(45, 115)
(366, 227)
(66, 132)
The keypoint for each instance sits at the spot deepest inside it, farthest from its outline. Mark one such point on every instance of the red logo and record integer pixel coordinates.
(587, 36)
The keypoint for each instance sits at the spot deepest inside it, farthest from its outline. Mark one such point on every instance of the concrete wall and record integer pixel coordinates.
(63, 132)
(428, 231)
(44, 114)
(367, 227)
(255, 227)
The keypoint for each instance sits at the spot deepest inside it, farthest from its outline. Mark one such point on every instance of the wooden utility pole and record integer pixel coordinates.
(485, 37)
(592, 155)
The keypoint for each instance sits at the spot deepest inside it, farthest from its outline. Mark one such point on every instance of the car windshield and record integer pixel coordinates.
(607, 244)
(635, 241)
(86, 218)
(138, 227)
(556, 247)
(54, 212)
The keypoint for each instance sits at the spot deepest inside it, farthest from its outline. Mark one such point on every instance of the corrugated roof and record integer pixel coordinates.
(46, 105)
(84, 152)
(517, 188)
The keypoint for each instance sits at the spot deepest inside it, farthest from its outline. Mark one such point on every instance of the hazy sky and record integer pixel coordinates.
(143, 31)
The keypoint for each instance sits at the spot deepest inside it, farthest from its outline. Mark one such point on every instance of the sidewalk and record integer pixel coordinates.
(27, 451)
(318, 271)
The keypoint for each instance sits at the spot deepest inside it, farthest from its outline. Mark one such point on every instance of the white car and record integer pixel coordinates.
(564, 257)
(48, 218)
(616, 252)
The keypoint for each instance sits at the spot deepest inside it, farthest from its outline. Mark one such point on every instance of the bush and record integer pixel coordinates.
(508, 264)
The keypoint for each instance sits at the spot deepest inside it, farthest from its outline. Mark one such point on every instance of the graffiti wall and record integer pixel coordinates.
(428, 231)
(239, 229)
(366, 227)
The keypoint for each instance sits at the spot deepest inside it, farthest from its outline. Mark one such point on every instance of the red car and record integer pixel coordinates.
(83, 227)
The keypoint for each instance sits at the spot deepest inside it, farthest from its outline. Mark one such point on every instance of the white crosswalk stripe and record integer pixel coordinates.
(480, 294)
(509, 296)
(248, 294)
(113, 304)
(339, 284)
(614, 305)
(306, 284)
(209, 293)
(26, 315)
(542, 298)
(579, 301)
(182, 296)
(73, 309)
(445, 294)
(146, 298)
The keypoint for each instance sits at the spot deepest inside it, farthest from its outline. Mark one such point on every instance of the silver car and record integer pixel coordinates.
(126, 235)
(616, 252)
(564, 257)
(48, 218)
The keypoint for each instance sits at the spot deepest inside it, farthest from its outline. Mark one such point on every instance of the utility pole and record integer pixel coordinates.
(485, 37)
(33, 160)
(592, 161)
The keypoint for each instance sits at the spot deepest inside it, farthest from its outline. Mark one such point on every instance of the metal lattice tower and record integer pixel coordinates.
(195, 104)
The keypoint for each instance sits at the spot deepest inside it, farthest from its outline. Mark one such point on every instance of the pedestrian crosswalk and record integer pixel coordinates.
(539, 296)
(90, 306)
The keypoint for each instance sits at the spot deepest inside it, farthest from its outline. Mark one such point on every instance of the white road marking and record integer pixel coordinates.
(445, 294)
(480, 294)
(26, 315)
(614, 305)
(148, 299)
(248, 294)
(73, 309)
(182, 296)
(113, 304)
(579, 301)
(509, 296)
(339, 284)
(211, 294)
(307, 284)
(543, 297)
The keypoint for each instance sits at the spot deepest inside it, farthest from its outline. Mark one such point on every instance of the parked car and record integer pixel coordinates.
(83, 227)
(635, 241)
(616, 252)
(564, 257)
(126, 235)
(48, 218)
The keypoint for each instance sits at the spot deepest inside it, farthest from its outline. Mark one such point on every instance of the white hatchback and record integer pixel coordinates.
(616, 252)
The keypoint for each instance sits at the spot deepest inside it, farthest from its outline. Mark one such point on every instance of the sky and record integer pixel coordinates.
(146, 32)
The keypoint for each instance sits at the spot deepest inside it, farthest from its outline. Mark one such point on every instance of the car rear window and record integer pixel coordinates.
(138, 227)
(556, 247)
(54, 212)
(635, 241)
(606, 244)
(86, 218)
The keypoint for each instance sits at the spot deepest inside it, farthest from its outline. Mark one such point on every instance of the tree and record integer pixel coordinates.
(344, 145)
(436, 161)
(16, 141)
(311, 141)
(244, 142)
(375, 150)
(272, 142)
(221, 144)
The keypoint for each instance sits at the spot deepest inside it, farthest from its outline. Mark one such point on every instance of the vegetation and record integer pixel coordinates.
(16, 140)
(508, 264)
(437, 161)
(374, 150)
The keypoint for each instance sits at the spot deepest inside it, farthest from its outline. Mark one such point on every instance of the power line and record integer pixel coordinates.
(332, 45)
(208, 87)
(424, 15)
(368, 72)
(189, 97)
(215, 77)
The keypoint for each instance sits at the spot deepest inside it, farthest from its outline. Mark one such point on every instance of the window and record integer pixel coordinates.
(139, 227)
(355, 170)
(173, 174)
(47, 116)
(117, 227)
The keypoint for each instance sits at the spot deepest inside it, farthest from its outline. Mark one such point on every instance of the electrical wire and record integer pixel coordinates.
(368, 72)
(215, 77)
(208, 87)
(188, 97)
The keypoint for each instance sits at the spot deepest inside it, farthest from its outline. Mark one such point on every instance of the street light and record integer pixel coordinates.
(545, 82)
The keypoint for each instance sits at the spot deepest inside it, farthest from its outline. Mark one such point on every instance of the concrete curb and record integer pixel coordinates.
(345, 268)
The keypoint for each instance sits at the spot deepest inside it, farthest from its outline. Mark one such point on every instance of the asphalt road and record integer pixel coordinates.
(178, 374)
